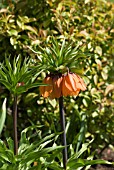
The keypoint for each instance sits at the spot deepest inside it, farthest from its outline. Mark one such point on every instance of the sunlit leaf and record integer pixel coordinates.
(109, 88)
(2, 115)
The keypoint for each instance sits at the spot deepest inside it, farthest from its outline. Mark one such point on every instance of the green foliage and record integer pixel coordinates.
(38, 155)
(86, 22)
(29, 151)
(60, 57)
(18, 77)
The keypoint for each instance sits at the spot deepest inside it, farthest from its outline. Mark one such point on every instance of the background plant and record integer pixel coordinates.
(17, 78)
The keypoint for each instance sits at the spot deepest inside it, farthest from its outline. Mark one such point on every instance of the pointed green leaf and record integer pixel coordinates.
(10, 144)
(76, 163)
(3, 115)
(6, 84)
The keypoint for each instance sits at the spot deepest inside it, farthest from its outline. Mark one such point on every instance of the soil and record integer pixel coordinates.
(107, 154)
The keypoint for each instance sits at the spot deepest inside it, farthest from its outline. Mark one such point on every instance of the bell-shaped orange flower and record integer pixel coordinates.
(72, 84)
(53, 88)
(68, 84)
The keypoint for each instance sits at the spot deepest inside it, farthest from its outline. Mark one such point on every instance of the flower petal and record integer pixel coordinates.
(75, 93)
(46, 90)
(83, 85)
(67, 88)
(79, 82)
(57, 92)
(72, 81)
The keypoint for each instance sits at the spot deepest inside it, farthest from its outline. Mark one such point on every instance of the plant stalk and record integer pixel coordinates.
(15, 125)
(63, 136)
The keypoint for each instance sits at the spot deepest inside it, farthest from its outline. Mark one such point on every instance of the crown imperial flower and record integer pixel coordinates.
(68, 84)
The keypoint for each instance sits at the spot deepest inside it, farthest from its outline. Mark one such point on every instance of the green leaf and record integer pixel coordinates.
(27, 27)
(53, 102)
(13, 41)
(2, 146)
(3, 115)
(81, 151)
(34, 146)
(20, 90)
(76, 163)
(54, 166)
(10, 143)
(98, 50)
(109, 88)
(82, 132)
(41, 153)
(12, 32)
(6, 84)
(98, 161)
(35, 85)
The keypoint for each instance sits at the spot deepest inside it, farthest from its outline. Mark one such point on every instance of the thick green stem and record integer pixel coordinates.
(63, 136)
(15, 125)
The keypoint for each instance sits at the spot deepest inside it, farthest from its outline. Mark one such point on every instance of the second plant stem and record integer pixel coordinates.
(15, 125)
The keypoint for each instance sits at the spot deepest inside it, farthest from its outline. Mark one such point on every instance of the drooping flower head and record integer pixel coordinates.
(53, 88)
(68, 84)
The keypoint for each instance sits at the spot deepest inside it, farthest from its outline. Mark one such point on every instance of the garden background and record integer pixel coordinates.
(25, 27)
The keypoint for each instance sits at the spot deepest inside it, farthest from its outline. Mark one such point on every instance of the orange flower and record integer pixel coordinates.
(72, 84)
(62, 85)
(54, 88)
(57, 91)
(46, 90)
